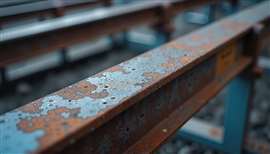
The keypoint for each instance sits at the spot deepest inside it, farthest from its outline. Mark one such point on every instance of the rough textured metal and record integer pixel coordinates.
(63, 117)
(90, 16)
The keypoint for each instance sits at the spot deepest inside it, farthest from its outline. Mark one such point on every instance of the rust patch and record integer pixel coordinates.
(182, 46)
(184, 60)
(196, 37)
(170, 63)
(152, 75)
(215, 132)
(53, 131)
(80, 90)
(116, 69)
(233, 25)
(32, 107)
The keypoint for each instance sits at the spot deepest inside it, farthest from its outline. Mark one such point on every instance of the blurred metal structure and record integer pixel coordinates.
(49, 35)
(135, 106)
(20, 9)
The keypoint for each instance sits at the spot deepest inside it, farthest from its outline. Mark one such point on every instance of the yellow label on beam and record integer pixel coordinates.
(225, 59)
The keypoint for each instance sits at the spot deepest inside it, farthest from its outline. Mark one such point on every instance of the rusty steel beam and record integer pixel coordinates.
(58, 33)
(21, 10)
(135, 106)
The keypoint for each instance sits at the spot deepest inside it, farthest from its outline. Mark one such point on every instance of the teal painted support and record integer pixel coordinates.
(119, 40)
(208, 141)
(3, 75)
(237, 107)
(139, 45)
(236, 114)
(63, 54)
(205, 16)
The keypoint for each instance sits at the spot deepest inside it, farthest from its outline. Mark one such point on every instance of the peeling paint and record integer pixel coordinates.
(47, 120)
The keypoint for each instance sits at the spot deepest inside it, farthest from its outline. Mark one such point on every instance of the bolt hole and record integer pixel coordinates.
(104, 102)
(133, 69)
(142, 115)
(69, 100)
(112, 97)
(127, 129)
(106, 86)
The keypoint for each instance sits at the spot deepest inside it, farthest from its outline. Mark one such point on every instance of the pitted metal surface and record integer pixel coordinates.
(87, 104)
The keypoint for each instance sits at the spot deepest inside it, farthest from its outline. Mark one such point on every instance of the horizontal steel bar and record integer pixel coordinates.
(212, 136)
(57, 33)
(208, 134)
(135, 106)
(92, 16)
(12, 11)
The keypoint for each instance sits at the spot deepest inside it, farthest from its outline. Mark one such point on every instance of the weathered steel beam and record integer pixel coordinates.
(47, 36)
(15, 10)
(135, 106)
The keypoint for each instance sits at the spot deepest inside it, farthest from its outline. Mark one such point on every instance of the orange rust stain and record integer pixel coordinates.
(177, 45)
(184, 60)
(152, 75)
(53, 124)
(233, 25)
(205, 47)
(101, 94)
(81, 90)
(182, 46)
(116, 68)
(32, 107)
(147, 55)
(189, 48)
(170, 63)
(215, 132)
(196, 37)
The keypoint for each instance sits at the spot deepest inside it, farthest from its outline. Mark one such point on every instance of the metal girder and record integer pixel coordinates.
(14, 10)
(135, 106)
(43, 37)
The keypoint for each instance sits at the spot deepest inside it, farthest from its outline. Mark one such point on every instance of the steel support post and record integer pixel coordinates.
(234, 6)
(63, 54)
(212, 12)
(236, 114)
(3, 75)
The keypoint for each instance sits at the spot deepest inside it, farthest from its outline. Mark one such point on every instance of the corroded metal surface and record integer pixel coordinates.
(50, 35)
(96, 15)
(62, 118)
(14, 10)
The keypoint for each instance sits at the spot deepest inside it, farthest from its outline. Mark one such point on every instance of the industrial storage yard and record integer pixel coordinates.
(35, 76)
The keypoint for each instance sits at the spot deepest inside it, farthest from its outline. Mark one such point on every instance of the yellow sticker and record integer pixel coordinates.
(225, 59)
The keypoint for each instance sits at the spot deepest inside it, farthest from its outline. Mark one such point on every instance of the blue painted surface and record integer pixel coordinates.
(236, 115)
(16, 141)
(206, 16)
(200, 139)
(139, 46)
